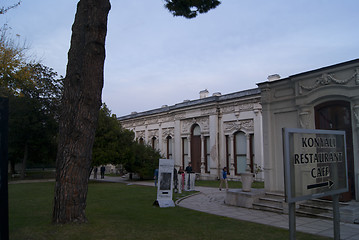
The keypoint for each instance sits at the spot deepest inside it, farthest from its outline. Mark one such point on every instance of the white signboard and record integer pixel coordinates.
(165, 183)
(315, 163)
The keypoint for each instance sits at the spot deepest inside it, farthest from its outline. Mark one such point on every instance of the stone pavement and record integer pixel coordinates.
(211, 200)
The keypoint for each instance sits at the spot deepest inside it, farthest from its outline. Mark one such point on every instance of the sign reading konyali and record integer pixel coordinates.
(314, 163)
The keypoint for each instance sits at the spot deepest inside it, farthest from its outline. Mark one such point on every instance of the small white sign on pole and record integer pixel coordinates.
(165, 183)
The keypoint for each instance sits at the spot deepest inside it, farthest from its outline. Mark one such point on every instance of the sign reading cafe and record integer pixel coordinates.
(315, 163)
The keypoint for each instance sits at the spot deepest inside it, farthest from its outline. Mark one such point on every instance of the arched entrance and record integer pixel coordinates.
(336, 115)
(196, 148)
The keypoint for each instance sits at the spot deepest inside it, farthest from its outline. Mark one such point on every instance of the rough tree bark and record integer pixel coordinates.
(80, 106)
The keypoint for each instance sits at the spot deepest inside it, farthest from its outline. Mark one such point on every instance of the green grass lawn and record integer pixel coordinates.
(120, 211)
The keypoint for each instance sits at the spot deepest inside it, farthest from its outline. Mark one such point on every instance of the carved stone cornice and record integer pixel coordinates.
(140, 134)
(228, 109)
(152, 121)
(327, 79)
(241, 125)
(209, 111)
(168, 118)
(180, 116)
(153, 133)
(167, 132)
(203, 123)
(245, 107)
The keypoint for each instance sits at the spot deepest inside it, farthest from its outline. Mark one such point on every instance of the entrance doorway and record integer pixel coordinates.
(196, 149)
(336, 115)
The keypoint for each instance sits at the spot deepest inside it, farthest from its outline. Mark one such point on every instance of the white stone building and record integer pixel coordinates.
(243, 130)
(325, 98)
(211, 132)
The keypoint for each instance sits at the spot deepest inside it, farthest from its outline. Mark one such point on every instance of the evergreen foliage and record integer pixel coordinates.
(190, 8)
(116, 145)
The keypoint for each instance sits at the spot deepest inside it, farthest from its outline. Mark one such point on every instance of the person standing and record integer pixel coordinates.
(189, 168)
(189, 171)
(102, 169)
(223, 179)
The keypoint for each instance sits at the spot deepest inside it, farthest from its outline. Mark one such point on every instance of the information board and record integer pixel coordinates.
(165, 183)
(314, 163)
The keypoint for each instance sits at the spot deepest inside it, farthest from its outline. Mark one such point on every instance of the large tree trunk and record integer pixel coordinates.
(81, 103)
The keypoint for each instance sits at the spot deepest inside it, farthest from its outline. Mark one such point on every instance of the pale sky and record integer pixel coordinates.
(155, 59)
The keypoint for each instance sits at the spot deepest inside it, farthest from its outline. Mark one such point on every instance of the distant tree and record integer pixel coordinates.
(112, 142)
(116, 145)
(34, 94)
(33, 117)
(12, 63)
(81, 103)
(143, 160)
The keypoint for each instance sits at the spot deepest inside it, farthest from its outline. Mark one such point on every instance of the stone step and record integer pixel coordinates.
(267, 207)
(318, 208)
(272, 201)
(313, 214)
(269, 201)
(275, 202)
(323, 203)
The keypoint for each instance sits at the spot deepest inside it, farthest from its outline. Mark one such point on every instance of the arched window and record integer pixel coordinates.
(141, 141)
(240, 152)
(169, 147)
(228, 152)
(154, 142)
(196, 148)
(196, 131)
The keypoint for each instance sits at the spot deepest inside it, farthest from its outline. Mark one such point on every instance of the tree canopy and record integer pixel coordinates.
(112, 142)
(116, 145)
(190, 8)
(34, 93)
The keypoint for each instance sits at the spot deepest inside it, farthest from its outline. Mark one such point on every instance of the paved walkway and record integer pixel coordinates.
(211, 200)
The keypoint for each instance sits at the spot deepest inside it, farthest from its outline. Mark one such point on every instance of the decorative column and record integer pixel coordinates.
(189, 149)
(356, 126)
(160, 138)
(164, 140)
(145, 139)
(304, 117)
(203, 170)
(231, 167)
(356, 116)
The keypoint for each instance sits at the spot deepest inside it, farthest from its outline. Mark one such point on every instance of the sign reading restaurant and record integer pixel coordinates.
(314, 163)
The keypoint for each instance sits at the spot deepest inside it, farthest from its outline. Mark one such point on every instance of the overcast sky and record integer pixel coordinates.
(155, 59)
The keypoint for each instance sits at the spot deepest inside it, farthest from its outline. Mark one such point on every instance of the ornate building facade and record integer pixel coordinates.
(243, 130)
(211, 132)
(325, 98)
